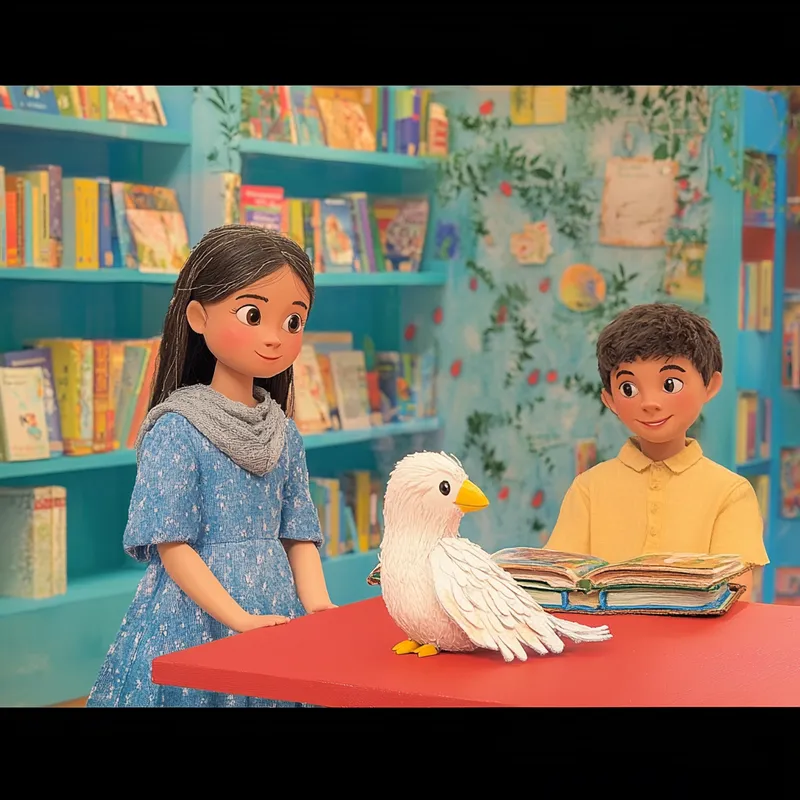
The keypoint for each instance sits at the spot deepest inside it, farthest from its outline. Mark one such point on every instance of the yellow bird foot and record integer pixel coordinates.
(405, 647)
(426, 650)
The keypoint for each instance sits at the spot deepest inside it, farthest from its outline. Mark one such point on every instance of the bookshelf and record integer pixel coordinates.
(752, 358)
(52, 648)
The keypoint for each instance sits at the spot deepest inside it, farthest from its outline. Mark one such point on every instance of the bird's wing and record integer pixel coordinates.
(492, 610)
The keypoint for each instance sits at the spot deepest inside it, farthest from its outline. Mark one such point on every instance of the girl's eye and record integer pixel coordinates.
(628, 389)
(249, 315)
(673, 385)
(293, 323)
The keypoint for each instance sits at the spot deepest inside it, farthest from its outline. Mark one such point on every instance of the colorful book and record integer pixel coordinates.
(23, 419)
(679, 584)
(402, 227)
(339, 242)
(43, 359)
(28, 546)
(308, 124)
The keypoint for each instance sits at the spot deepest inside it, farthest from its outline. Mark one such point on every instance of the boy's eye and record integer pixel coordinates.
(673, 385)
(293, 323)
(249, 315)
(628, 389)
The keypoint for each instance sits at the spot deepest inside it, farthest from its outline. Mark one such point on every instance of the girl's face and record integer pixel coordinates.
(256, 331)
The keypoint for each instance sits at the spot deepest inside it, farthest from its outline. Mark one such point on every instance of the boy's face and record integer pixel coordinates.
(658, 400)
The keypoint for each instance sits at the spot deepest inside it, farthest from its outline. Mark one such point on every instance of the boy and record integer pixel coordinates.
(659, 365)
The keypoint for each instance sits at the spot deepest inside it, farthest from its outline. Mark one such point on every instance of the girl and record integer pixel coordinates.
(221, 509)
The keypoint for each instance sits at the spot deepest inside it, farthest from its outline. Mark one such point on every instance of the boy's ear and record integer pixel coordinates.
(714, 385)
(196, 317)
(608, 401)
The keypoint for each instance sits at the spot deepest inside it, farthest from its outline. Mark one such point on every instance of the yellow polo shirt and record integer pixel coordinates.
(629, 506)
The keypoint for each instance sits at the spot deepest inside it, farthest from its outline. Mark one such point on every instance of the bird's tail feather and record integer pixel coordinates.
(580, 633)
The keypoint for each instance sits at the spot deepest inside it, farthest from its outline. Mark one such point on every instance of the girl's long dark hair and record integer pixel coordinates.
(225, 260)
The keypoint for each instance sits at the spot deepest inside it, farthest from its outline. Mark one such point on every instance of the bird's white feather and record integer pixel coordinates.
(492, 610)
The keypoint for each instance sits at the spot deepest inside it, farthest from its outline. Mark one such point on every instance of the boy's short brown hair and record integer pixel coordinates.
(658, 330)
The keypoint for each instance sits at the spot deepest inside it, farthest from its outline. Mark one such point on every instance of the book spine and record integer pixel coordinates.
(42, 543)
(59, 522)
(105, 225)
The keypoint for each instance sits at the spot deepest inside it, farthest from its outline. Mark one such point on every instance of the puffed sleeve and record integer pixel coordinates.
(739, 528)
(571, 533)
(165, 505)
(299, 518)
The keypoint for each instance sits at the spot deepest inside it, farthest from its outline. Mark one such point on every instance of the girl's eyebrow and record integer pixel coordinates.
(253, 297)
(301, 304)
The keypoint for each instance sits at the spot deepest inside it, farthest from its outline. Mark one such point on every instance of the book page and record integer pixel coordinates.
(535, 563)
(698, 570)
(639, 202)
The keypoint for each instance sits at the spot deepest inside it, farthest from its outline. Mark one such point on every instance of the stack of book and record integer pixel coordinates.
(138, 104)
(790, 364)
(756, 296)
(753, 426)
(338, 387)
(347, 117)
(670, 584)
(74, 396)
(33, 545)
(350, 511)
(49, 221)
(350, 233)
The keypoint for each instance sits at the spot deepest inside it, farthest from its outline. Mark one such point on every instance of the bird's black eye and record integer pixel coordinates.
(444, 488)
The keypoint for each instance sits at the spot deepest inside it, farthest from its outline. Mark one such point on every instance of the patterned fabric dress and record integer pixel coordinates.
(188, 491)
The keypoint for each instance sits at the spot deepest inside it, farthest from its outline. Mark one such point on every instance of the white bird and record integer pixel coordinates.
(445, 592)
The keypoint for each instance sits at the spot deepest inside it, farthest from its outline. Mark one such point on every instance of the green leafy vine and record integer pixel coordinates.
(221, 156)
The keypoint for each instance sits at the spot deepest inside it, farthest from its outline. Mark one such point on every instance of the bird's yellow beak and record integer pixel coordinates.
(470, 498)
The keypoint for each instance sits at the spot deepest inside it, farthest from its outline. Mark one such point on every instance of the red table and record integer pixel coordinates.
(343, 657)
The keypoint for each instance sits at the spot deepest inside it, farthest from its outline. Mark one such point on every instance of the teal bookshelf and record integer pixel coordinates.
(52, 649)
(752, 359)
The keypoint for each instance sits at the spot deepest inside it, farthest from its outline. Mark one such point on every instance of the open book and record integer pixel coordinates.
(667, 583)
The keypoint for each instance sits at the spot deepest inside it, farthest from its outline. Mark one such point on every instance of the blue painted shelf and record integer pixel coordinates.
(15, 470)
(100, 129)
(758, 466)
(100, 276)
(261, 147)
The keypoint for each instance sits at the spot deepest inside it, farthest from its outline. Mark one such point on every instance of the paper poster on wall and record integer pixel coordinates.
(639, 202)
(581, 287)
(447, 240)
(521, 105)
(538, 105)
(683, 279)
(532, 245)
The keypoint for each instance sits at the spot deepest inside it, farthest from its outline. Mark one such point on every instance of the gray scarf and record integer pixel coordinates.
(252, 437)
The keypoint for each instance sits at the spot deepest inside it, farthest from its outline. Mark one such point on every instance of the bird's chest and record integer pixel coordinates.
(407, 587)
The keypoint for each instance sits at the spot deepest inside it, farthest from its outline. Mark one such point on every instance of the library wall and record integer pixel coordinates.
(540, 269)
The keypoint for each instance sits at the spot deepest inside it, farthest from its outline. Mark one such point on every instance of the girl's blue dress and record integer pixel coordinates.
(188, 491)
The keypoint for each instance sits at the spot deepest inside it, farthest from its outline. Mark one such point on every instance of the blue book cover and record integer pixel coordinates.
(388, 369)
(306, 115)
(338, 235)
(34, 98)
(42, 357)
(105, 224)
(124, 249)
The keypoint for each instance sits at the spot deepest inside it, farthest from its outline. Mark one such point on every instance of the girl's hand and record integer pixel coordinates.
(253, 621)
